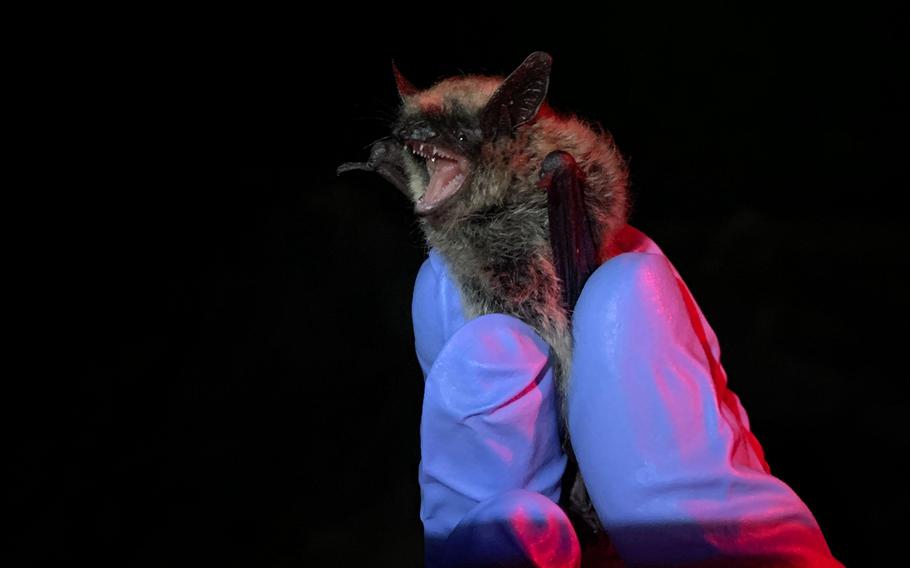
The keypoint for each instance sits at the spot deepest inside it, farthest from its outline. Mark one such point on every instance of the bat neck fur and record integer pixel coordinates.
(495, 236)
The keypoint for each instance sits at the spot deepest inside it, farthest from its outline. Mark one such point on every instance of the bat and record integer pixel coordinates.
(521, 201)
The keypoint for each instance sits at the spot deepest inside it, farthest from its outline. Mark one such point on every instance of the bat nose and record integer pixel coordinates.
(422, 132)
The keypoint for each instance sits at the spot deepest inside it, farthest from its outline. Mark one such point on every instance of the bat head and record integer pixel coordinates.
(450, 133)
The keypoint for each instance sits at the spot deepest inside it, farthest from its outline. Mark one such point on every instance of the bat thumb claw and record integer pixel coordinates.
(555, 161)
(350, 166)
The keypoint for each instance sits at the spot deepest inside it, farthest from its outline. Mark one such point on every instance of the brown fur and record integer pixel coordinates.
(495, 234)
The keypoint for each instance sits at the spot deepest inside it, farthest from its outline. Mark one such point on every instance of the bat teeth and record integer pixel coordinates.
(428, 151)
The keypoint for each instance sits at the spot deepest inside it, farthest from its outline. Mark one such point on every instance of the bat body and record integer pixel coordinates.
(522, 202)
(473, 167)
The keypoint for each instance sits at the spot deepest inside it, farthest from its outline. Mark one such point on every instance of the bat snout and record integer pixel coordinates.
(421, 132)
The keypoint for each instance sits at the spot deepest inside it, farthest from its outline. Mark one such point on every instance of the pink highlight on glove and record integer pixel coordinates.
(664, 445)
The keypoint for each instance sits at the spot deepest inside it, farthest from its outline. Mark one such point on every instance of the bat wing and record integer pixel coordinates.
(574, 251)
(575, 257)
(385, 160)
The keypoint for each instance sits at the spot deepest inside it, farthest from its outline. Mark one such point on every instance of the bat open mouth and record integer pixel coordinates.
(447, 172)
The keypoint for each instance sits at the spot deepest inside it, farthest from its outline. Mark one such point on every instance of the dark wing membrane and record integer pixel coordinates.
(386, 160)
(574, 251)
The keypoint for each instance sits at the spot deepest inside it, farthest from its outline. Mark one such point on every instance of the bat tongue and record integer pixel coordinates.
(446, 177)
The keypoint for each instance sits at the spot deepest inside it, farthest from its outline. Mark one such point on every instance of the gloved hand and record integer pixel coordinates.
(663, 445)
(491, 455)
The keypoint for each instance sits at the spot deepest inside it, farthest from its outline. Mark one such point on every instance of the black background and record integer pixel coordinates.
(241, 385)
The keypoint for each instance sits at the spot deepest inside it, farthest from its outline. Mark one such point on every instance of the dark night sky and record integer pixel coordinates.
(242, 388)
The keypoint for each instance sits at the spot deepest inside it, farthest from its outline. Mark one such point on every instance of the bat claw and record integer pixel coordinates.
(385, 160)
(556, 160)
(350, 166)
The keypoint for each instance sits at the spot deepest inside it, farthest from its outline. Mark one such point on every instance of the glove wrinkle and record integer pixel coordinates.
(489, 427)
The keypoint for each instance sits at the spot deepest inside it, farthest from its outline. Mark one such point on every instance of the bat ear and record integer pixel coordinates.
(405, 88)
(519, 97)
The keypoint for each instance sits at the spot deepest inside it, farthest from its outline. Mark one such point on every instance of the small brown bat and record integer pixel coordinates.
(522, 202)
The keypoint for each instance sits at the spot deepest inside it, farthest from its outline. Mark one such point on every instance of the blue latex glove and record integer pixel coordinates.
(663, 445)
(491, 457)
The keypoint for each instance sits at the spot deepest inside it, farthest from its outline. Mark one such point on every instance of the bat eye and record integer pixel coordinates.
(462, 137)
